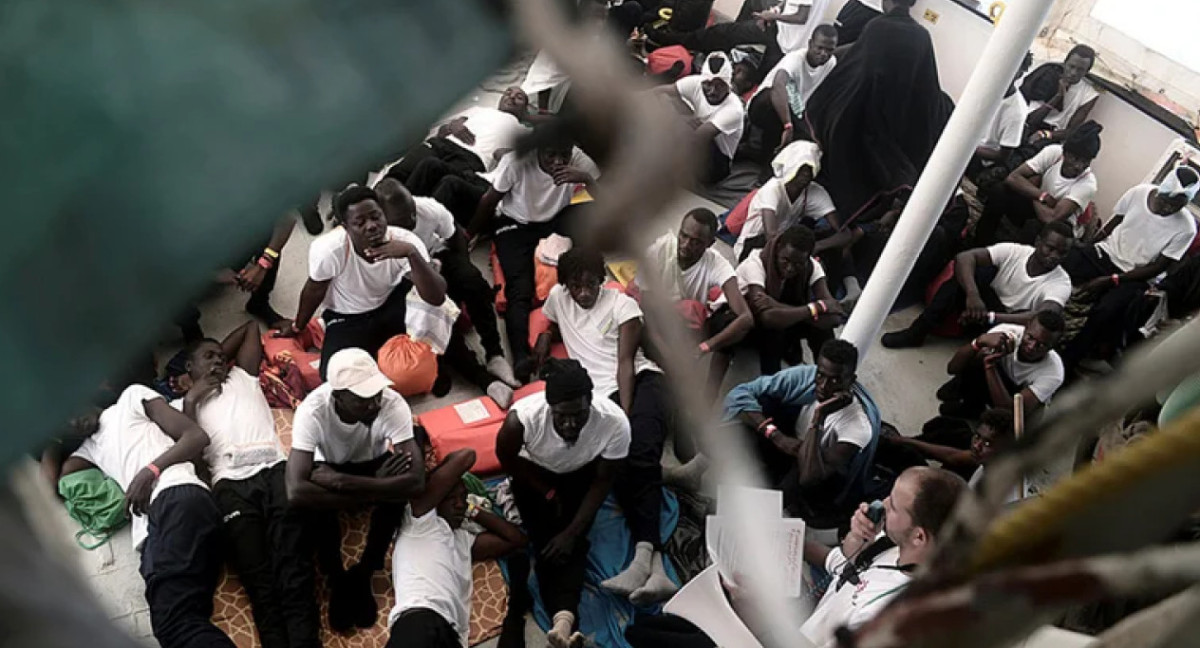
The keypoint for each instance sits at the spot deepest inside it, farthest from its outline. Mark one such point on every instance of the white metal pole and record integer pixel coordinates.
(997, 65)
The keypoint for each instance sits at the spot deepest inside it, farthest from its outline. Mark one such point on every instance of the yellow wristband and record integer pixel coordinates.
(271, 253)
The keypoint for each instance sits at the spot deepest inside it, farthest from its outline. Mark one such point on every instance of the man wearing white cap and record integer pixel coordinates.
(352, 444)
(716, 113)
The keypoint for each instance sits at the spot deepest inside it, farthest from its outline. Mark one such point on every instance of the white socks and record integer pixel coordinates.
(688, 476)
(560, 635)
(635, 575)
(853, 290)
(498, 366)
(501, 393)
(658, 588)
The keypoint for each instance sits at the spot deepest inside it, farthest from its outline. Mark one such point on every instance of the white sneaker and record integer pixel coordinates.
(499, 367)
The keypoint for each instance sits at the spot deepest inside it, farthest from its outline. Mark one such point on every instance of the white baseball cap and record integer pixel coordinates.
(355, 369)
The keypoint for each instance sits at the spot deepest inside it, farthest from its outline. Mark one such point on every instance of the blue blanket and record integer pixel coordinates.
(603, 616)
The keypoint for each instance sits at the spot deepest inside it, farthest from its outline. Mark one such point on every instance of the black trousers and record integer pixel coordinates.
(950, 298)
(264, 540)
(775, 345)
(422, 628)
(665, 631)
(515, 245)
(717, 165)
(559, 584)
(639, 484)
(448, 159)
(972, 389)
(763, 131)
(466, 285)
(1086, 263)
(851, 21)
(1003, 203)
(260, 299)
(1106, 324)
(181, 563)
(367, 331)
(324, 530)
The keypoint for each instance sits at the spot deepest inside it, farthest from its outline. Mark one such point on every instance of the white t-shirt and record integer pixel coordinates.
(493, 129)
(847, 425)
(593, 335)
(875, 5)
(726, 116)
(1008, 124)
(240, 428)
(812, 204)
(355, 284)
(435, 224)
(792, 37)
(126, 442)
(694, 283)
(1042, 378)
(606, 435)
(1048, 163)
(530, 195)
(1016, 289)
(318, 429)
(853, 605)
(752, 272)
(1076, 96)
(803, 79)
(431, 569)
(1143, 235)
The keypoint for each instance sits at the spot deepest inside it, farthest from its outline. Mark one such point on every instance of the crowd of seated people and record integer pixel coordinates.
(1034, 291)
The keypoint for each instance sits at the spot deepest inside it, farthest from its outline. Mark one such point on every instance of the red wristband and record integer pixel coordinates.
(765, 423)
(704, 348)
(1116, 279)
(265, 263)
(549, 495)
(154, 469)
(975, 344)
(770, 431)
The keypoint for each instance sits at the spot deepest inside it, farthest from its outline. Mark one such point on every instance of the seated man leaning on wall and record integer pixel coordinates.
(715, 113)
(1006, 283)
(353, 446)
(1006, 361)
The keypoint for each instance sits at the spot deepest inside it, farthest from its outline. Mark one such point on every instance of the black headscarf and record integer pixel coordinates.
(1084, 140)
(565, 380)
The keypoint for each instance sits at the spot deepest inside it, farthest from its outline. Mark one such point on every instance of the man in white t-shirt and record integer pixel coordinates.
(811, 432)
(1151, 229)
(1006, 361)
(529, 200)
(264, 539)
(146, 446)
(789, 198)
(1005, 283)
(1006, 132)
(441, 535)
(716, 113)
(686, 266)
(1072, 102)
(446, 166)
(794, 22)
(777, 107)
(446, 243)
(562, 449)
(352, 446)
(602, 329)
(361, 273)
(875, 561)
(1066, 188)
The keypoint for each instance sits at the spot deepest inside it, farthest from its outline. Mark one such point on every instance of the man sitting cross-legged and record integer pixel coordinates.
(602, 329)
(715, 111)
(1007, 360)
(144, 445)
(362, 273)
(1006, 283)
(431, 564)
(264, 538)
(353, 445)
(688, 268)
(562, 449)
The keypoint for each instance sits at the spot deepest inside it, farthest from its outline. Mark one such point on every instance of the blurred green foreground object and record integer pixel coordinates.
(147, 143)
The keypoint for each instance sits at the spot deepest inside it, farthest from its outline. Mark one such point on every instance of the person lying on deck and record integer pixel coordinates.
(689, 269)
(777, 107)
(602, 329)
(1150, 230)
(1070, 103)
(1007, 360)
(562, 450)
(431, 562)
(530, 199)
(786, 290)
(264, 537)
(145, 445)
(1066, 188)
(446, 243)
(1006, 283)
(353, 446)
(1006, 131)
(361, 273)
(714, 111)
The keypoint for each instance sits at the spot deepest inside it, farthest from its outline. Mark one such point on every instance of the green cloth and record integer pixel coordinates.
(96, 502)
(1182, 398)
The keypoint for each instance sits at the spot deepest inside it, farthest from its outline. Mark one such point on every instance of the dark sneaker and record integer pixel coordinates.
(312, 220)
(951, 391)
(907, 339)
(341, 604)
(362, 596)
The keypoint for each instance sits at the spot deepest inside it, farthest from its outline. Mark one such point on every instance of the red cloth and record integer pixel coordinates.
(409, 364)
(448, 432)
(304, 350)
(694, 313)
(737, 216)
(948, 327)
(660, 60)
